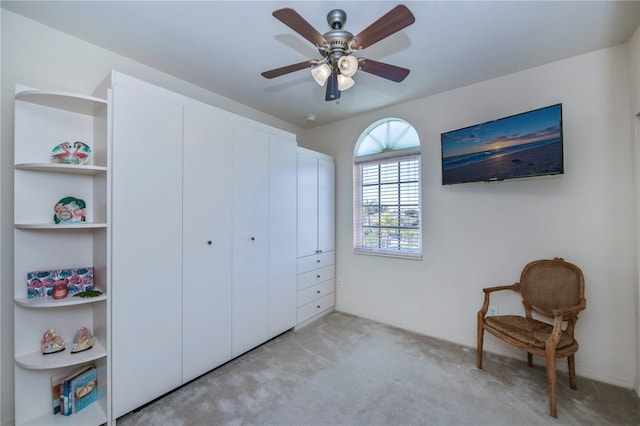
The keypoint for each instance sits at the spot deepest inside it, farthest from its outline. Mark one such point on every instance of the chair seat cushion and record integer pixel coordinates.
(530, 332)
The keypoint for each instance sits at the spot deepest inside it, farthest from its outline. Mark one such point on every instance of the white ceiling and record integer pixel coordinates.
(223, 46)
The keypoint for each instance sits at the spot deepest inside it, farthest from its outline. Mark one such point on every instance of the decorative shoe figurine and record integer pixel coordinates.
(82, 341)
(51, 342)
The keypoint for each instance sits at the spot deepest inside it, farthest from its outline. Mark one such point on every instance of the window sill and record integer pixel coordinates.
(406, 256)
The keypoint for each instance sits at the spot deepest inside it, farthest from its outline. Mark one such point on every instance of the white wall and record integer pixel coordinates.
(38, 56)
(634, 73)
(478, 235)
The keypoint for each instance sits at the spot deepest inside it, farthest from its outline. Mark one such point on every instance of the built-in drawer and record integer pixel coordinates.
(315, 261)
(316, 276)
(317, 291)
(316, 307)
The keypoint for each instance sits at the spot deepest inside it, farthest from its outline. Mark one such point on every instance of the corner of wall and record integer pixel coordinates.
(634, 73)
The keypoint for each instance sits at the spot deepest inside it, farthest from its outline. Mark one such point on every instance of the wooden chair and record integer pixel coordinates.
(550, 288)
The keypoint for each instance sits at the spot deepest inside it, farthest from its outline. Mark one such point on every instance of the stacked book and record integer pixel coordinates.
(74, 390)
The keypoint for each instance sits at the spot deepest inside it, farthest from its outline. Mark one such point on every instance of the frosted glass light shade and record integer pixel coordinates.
(321, 73)
(344, 83)
(348, 65)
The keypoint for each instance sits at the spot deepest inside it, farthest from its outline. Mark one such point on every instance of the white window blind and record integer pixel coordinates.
(387, 207)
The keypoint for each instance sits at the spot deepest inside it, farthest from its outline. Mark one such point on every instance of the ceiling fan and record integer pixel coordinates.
(338, 48)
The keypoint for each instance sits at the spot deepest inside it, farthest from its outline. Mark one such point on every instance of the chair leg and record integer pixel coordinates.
(480, 341)
(529, 359)
(572, 371)
(551, 380)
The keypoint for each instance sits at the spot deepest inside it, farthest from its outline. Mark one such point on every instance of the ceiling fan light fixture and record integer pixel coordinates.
(348, 65)
(321, 73)
(344, 82)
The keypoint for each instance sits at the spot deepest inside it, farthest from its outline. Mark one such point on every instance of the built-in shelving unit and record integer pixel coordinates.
(44, 119)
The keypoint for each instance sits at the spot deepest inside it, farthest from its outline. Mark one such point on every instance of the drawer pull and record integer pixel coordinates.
(318, 261)
(318, 306)
(209, 242)
(318, 291)
(317, 276)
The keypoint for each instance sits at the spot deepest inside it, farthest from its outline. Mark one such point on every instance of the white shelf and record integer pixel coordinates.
(68, 101)
(38, 361)
(78, 169)
(50, 302)
(93, 414)
(54, 226)
(42, 119)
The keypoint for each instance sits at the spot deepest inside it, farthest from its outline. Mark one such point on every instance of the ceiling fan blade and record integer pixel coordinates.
(297, 23)
(393, 21)
(390, 72)
(289, 68)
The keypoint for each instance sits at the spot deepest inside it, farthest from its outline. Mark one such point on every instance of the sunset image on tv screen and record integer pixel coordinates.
(527, 144)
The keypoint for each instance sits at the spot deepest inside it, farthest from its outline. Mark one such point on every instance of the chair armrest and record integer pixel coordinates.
(562, 312)
(514, 287)
(487, 292)
(558, 319)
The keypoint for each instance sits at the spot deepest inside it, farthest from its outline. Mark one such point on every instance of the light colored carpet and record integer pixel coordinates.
(346, 370)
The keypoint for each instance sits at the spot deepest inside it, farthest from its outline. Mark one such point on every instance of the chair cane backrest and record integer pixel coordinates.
(551, 284)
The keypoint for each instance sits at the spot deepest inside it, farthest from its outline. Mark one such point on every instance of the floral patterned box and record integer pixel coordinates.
(40, 283)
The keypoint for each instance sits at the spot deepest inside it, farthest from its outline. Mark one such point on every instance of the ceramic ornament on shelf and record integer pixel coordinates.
(69, 210)
(51, 342)
(71, 153)
(82, 341)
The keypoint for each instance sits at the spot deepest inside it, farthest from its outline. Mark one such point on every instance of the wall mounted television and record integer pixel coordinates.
(517, 146)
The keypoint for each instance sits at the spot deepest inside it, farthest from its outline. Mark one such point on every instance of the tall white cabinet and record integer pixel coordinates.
(44, 119)
(207, 240)
(264, 232)
(316, 235)
(146, 250)
(204, 239)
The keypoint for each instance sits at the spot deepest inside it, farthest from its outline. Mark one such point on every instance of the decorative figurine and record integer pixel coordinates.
(62, 154)
(60, 289)
(82, 341)
(69, 210)
(51, 342)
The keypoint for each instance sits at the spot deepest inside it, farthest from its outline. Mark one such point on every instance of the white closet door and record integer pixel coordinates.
(250, 238)
(307, 204)
(207, 257)
(282, 234)
(146, 249)
(326, 205)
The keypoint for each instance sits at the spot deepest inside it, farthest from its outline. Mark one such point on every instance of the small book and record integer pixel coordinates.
(84, 390)
(57, 386)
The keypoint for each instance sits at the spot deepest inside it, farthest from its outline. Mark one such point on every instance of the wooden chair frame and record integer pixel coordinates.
(559, 315)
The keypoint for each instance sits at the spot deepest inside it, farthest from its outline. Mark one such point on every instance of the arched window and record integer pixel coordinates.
(387, 179)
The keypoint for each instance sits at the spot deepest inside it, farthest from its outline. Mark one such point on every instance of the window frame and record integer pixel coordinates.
(385, 156)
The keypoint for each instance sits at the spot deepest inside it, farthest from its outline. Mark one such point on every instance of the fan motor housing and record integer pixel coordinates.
(338, 42)
(336, 18)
